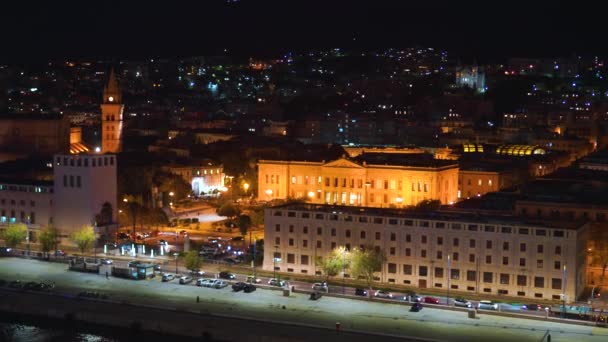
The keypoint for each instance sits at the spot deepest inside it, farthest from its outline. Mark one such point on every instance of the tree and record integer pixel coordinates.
(106, 214)
(428, 205)
(337, 260)
(48, 240)
(84, 238)
(257, 217)
(228, 210)
(366, 262)
(193, 260)
(244, 224)
(14, 234)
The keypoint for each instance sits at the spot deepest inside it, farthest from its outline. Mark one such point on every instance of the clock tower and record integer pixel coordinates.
(111, 116)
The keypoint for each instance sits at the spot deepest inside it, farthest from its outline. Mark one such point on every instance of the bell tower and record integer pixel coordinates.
(111, 116)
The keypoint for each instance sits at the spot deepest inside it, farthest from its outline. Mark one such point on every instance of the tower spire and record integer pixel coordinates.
(111, 91)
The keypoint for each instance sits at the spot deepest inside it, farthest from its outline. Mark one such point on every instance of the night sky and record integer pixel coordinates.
(486, 31)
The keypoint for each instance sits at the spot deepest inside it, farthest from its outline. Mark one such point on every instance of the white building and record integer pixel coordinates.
(489, 255)
(82, 184)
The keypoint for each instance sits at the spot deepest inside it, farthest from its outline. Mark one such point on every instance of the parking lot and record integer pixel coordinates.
(298, 308)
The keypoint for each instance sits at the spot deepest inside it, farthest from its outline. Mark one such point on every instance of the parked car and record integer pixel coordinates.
(360, 292)
(249, 288)
(185, 280)
(227, 275)
(315, 295)
(461, 302)
(168, 277)
(219, 284)
(162, 242)
(106, 261)
(157, 267)
(487, 305)
(238, 286)
(237, 238)
(416, 307)
(383, 294)
(253, 280)
(320, 287)
(532, 307)
(197, 273)
(431, 300)
(276, 282)
(205, 282)
(59, 252)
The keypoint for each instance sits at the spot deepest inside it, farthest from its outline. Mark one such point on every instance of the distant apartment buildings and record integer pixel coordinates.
(494, 255)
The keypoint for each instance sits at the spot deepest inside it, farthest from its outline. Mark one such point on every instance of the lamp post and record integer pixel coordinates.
(447, 301)
(344, 271)
(253, 261)
(564, 294)
(176, 255)
(246, 187)
(132, 207)
(27, 238)
(274, 260)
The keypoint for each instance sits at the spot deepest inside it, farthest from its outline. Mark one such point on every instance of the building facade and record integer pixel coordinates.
(82, 184)
(477, 182)
(347, 182)
(488, 255)
(111, 116)
(28, 202)
(205, 176)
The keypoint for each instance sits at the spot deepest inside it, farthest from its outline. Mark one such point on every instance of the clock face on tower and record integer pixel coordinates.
(111, 99)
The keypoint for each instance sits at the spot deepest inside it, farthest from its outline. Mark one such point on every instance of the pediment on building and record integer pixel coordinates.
(342, 162)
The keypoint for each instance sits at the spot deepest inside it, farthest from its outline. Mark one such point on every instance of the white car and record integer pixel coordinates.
(320, 287)
(383, 294)
(275, 282)
(219, 284)
(461, 302)
(185, 280)
(487, 305)
(205, 282)
(168, 277)
(198, 273)
(106, 261)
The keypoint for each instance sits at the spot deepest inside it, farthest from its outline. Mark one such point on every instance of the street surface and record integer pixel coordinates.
(266, 304)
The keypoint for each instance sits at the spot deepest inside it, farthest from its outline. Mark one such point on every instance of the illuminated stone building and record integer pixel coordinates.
(489, 255)
(205, 176)
(374, 180)
(111, 116)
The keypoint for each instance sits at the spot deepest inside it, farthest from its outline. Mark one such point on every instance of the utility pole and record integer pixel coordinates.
(447, 301)
(564, 294)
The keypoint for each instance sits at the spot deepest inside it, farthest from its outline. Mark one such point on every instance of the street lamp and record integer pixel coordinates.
(274, 260)
(447, 301)
(246, 187)
(564, 294)
(176, 255)
(343, 270)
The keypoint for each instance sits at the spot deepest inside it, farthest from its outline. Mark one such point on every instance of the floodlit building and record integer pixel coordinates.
(82, 184)
(370, 179)
(205, 176)
(494, 255)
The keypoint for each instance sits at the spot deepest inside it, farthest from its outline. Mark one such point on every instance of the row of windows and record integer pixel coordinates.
(426, 224)
(455, 274)
(24, 188)
(271, 179)
(74, 181)
(479, 182)
(21, 202)
(22, 217)
(78, 162)
(345, 183)
(455, 256)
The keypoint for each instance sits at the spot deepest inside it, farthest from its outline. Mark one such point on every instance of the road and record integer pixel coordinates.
(270, 305)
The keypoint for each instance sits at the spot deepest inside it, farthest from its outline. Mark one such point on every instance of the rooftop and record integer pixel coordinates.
(432, 215)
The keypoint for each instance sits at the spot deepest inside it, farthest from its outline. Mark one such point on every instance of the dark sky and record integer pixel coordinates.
(489, 30)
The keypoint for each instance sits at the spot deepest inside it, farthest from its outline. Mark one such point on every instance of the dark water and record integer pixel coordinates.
(18, 328)
(17, 332)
